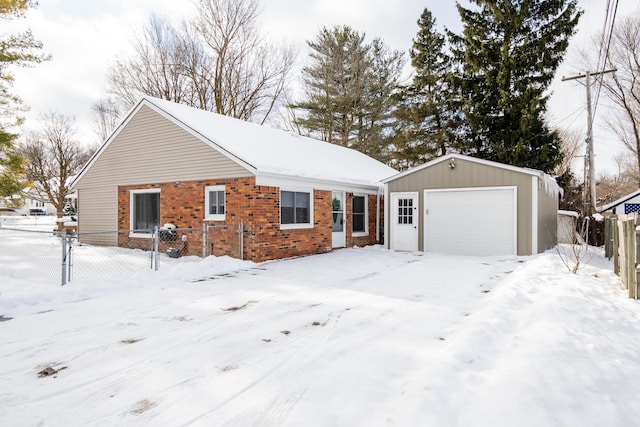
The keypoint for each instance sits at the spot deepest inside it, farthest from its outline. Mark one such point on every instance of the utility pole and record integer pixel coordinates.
(589, 185)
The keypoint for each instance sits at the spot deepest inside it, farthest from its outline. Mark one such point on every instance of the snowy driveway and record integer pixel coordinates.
(357, 337)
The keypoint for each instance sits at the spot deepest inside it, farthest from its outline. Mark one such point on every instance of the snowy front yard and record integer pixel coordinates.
(357, 337)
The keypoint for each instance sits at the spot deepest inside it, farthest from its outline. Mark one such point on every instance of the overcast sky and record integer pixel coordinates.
(85, 36)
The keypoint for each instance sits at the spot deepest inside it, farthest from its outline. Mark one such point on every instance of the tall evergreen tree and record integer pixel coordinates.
(506, 58)
(16, 50)
(423, 116)
(348, 87)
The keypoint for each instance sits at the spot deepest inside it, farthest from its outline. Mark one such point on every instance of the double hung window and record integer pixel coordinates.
(295, 209)
(214, 200)
(359, 214)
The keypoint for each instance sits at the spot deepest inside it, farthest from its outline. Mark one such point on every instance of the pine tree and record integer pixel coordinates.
(423, 116)
(348, 88)
(15, 50)
(505, 60)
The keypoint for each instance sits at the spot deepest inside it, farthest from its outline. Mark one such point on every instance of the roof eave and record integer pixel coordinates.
(618, 202)
(533, 172)
(282, 180)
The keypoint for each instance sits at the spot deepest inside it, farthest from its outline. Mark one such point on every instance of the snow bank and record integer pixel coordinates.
(352, 337)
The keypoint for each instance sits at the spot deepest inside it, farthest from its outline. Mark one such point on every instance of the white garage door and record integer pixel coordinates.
(479, 221)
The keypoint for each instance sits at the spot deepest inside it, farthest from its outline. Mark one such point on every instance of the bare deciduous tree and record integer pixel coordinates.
(217, 62)
(623, 86)
(53, 157)
(611, 187)
(156, 67)
(571, 146)
(107, 113)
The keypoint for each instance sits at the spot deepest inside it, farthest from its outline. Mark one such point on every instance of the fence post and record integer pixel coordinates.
(608, 237)
(204, 240)
(630, 242)
(241, 240)
(616, 247)
(63, 237)
(156, 237)
(70, 258)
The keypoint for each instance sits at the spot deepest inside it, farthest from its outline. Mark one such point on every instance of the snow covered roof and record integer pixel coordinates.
(268, 151)
(568, 213)
(618, 202)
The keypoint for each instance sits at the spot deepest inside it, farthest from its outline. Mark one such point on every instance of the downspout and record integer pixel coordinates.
(386, 217)
(378, 216)
(534, 214)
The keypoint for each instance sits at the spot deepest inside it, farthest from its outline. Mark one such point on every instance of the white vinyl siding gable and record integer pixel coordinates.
(152, 149)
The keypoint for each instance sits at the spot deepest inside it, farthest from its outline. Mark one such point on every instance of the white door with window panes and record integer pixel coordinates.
(404, 221)
(337, 223)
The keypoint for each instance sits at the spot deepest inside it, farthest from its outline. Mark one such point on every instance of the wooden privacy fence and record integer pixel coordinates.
(622, 243)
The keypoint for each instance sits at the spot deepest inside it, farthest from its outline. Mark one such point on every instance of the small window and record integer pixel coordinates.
(405, 211)
(359, 214)
(145, 211)
(295, 208)
(214, 200)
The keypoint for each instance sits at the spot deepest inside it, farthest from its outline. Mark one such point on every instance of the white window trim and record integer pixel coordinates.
(131, 219)
(297, 226)
(366, 216)
(216, 217)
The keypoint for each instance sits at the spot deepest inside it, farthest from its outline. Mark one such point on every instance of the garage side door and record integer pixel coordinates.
(404, 221)
(479, 221)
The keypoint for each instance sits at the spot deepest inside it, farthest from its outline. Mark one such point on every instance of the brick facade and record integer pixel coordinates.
(256, 207)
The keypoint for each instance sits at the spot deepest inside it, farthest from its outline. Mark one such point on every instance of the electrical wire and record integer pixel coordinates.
(605, 59)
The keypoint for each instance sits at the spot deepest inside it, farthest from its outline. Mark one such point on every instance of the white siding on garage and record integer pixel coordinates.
(478, 221)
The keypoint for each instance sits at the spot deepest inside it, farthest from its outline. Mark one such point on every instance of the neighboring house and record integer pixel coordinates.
(34, 205)
(462, 205)
(169, 163)
(624, 205)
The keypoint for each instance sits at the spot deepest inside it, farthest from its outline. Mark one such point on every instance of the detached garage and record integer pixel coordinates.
(462, 205)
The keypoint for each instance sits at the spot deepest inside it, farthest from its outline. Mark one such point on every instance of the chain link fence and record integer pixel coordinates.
(20, 246)
(63, 257)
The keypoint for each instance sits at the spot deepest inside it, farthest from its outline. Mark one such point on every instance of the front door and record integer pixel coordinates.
(404, 221)
(337, 226)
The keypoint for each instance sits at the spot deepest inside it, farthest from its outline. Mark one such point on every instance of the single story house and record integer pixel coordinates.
(463, 205)
(168, 163)
(624, 205)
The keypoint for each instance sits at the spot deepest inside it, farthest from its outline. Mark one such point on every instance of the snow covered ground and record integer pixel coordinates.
(357, 337)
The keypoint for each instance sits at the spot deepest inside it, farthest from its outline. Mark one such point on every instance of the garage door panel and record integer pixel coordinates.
(470, 221)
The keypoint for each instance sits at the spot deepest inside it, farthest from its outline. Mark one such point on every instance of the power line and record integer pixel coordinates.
(606, 54)
(589, 191)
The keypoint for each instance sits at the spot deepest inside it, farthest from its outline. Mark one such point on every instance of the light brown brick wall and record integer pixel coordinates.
(257, 207)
